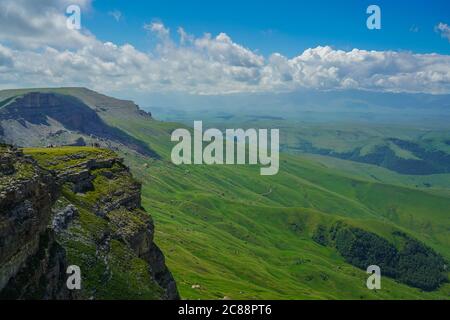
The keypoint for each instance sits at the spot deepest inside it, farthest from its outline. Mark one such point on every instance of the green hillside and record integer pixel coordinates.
(228, 232)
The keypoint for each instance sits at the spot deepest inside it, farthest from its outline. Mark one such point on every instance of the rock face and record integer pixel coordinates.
(63, 217)
(31, 262)
(49, 118)
(83, 209)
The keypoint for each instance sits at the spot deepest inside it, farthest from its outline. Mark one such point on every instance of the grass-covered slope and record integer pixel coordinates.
(227, 231)
(399, 144)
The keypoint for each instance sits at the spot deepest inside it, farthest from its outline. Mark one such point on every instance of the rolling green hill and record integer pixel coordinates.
(226, 231)
(405, 148)
(240, 235)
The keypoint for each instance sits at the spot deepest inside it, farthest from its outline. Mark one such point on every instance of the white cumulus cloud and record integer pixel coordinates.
(45, 52)
(28, 23)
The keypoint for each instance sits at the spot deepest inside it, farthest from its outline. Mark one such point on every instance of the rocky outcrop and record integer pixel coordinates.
(161, 273)
(49, 218)
(121, 207)
(130, 199)
(138, 234)
(64, 216)
(30, 260)
(50, 118)
(42, 274)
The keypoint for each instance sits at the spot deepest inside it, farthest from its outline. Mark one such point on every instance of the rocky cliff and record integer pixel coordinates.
(33, 118)
(31, 261)
(76, 206)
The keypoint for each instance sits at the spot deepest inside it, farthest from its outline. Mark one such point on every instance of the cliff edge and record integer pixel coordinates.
(76, 206)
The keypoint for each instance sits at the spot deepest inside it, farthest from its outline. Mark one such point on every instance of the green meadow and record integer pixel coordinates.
(226, 231)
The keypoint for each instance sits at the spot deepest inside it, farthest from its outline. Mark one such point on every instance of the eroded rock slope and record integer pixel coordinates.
(76, 206)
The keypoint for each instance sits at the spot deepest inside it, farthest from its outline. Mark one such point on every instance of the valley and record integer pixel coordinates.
(228, 232)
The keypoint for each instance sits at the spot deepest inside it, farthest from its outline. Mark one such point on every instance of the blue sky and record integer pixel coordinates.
(226, 47)
(282, 26)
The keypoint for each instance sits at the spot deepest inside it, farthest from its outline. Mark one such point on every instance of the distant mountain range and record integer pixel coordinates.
(313, 106)
(405, 133)
(67, 116)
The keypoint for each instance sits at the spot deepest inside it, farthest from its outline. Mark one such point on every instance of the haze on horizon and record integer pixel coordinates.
(157, 53)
